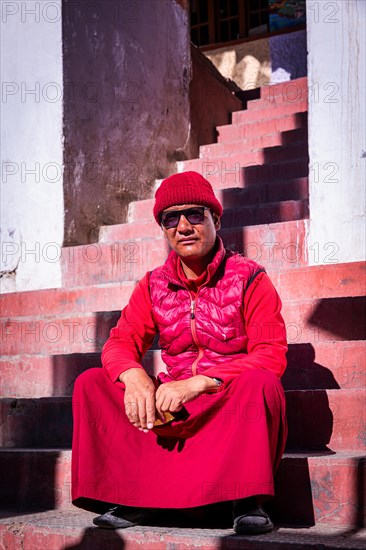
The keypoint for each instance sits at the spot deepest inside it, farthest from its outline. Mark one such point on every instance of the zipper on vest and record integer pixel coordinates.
(193, 303)
(194, 335)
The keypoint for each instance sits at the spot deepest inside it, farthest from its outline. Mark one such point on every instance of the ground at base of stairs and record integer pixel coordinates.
(72, 529)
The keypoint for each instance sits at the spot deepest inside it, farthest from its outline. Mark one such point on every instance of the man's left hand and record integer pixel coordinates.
(171, 396)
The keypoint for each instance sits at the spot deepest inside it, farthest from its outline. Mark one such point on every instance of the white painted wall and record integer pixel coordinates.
(337, 131)
(32, 209)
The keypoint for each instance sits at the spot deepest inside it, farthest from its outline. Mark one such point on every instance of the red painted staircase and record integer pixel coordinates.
(259, 169)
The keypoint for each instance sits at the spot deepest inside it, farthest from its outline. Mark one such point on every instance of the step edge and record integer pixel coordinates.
(237, 142)
(235, 189)
(280, 117)
(15, 358)
(68, 398)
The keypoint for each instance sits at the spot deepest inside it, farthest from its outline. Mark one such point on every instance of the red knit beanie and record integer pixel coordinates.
(185, 188)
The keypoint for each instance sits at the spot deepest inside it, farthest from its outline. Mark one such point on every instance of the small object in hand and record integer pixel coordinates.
(168, 417)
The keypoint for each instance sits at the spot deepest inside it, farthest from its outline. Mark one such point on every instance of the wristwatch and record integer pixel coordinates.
(218, 383)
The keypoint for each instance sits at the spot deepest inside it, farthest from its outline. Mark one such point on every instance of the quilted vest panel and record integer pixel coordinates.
(219, 322)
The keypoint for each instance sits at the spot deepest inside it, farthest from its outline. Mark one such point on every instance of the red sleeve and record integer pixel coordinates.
(133, 335)
(266, 331)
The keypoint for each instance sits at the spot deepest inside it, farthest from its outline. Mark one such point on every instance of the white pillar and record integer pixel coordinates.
(32, 209)
(337, 136)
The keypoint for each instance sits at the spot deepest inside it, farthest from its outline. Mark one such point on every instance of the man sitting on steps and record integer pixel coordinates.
(213, 427)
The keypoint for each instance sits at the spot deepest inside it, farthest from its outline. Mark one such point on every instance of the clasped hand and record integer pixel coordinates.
(144, 403)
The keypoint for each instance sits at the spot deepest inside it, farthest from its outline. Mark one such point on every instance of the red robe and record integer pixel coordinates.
(226, 447)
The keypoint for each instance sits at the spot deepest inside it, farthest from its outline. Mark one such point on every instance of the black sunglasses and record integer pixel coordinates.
(193, 215)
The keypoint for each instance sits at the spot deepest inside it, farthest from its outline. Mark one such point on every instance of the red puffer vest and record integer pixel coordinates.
(200, 330)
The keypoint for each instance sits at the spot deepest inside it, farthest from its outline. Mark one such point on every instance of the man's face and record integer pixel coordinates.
(191, 240)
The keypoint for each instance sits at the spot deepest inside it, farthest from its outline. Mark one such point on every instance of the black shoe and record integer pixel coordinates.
(254, 522)
(119, 517)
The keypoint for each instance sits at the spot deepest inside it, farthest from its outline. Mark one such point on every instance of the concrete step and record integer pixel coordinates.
(272, 97)
(310, 366)
(307, 321)
(37, 376)
(251, 130)
(209, 152)
(289, 89)
(333, 280)
(119, 261)
(293, 97)
(42, 422)
(242, 158)
(227, 174)
(259, 214)
(326, 365)
(244, 215)
(330, 280)
(124, 261)
(262, 112)
(275, 246)
(261, 243)
(325, 320)
(318, 281)
(139, 229)
(131, 231)
(326, 489)
(60, 301)
(35, 478)
(342, 414)
(73, 529)
(296, 189)
(310, 487)
(47, 422)
(330, 365)
(271, 89)
(335, 317)
(310, 282)
(58, 335)
(33, 376)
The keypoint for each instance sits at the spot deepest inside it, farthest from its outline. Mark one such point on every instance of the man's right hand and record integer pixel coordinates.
(139, 398)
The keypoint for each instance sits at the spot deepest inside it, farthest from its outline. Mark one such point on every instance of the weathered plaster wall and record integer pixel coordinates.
(31, 138)
(263, 61)
(337, 131)
(127, 72)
